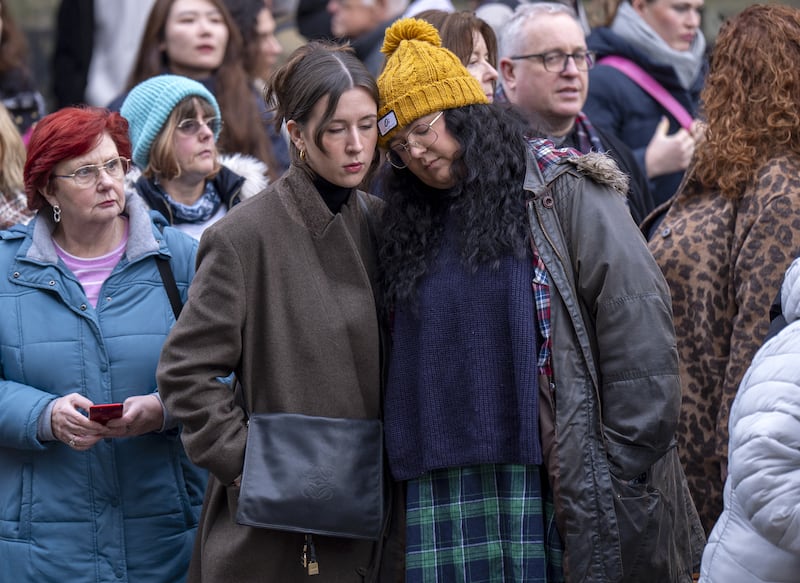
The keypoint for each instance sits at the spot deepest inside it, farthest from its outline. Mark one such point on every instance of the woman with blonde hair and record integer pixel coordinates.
(13, 202)
(731, 232)
(174, 125)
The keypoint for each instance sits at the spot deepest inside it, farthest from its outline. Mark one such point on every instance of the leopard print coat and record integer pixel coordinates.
(724, 261)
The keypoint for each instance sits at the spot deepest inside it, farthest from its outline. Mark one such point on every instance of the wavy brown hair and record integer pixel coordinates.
(455, 30)
(751, 97)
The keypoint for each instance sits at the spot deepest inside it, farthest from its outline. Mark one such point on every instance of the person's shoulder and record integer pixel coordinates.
(779, 176)
(787, 163)
(11, 240)
(253, 170)
(14, 232)
(175, 239)
(598, 167)
(603, 170)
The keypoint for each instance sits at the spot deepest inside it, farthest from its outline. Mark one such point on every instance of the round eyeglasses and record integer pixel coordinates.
(557, 61)
(190, 126)
(88, 175)
(421, 136)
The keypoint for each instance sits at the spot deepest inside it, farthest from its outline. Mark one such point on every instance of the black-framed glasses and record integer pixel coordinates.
(88, 175)
(421, 136)
(190, 126)
(556, 61)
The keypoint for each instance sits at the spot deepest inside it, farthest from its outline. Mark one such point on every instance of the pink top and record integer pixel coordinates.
(94, 271)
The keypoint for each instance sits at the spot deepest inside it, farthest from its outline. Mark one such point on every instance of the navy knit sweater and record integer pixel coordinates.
(462, 386)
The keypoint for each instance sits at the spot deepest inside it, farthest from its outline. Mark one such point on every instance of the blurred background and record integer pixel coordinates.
(36, 18)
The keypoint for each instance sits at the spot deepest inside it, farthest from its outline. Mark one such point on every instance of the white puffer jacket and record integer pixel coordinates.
(757, 538)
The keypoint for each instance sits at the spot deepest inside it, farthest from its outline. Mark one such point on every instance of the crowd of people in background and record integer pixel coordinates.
(552, 245)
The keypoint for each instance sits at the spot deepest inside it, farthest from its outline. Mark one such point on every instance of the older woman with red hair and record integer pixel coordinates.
(85, 313)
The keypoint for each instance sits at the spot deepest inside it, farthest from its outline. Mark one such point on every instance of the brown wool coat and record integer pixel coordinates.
(283, 297)
(724, 261)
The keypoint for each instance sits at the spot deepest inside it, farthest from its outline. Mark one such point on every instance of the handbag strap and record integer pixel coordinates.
(168, 278)
(169, 284)
(652, 87)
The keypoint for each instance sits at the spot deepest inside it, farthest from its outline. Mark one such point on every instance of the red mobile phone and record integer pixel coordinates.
(104, 413)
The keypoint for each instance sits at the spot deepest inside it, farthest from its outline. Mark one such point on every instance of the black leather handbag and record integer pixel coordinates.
(317, 475)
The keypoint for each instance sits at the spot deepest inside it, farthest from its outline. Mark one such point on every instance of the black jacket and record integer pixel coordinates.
(640, 199)
(73, 51)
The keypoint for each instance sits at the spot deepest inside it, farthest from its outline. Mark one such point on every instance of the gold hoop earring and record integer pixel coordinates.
(303, 155)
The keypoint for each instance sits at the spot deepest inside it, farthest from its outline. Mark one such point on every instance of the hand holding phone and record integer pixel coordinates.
(104, 413)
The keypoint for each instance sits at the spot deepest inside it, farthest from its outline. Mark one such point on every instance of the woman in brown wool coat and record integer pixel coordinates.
(284, 299)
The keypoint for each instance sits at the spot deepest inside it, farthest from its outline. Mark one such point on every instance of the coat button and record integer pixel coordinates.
(51, 282)
(547, 201)
(83, 307)
(666, 232)
(16, 274)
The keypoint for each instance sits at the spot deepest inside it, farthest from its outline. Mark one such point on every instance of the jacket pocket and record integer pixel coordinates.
(642, 519)
(16, 522)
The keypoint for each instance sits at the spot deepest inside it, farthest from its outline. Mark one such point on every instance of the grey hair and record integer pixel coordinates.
(511, 36)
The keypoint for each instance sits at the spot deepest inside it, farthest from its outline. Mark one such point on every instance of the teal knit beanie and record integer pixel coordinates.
(150, 103)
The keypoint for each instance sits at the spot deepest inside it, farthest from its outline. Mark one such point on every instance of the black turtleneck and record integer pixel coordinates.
(333, 194)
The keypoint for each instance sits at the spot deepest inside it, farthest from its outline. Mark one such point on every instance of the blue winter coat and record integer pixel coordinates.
(618, 105)
(127, 509)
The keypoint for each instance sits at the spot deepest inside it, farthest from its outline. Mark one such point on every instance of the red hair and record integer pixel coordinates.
(68, 133)
(750, 98)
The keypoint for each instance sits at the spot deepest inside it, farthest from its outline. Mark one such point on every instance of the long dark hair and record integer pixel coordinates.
(244, 131)
(488, 202)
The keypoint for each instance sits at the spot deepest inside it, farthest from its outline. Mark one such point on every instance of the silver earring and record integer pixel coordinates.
(56, 213)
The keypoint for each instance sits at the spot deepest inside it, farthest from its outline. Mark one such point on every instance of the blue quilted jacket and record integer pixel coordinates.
(127, 509)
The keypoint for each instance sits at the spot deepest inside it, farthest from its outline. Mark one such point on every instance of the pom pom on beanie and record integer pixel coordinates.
(420, 77)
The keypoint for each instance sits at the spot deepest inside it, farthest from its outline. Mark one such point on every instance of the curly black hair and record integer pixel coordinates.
(488, 202)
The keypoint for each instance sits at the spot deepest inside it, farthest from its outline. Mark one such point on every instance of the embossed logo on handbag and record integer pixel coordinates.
(319, 483)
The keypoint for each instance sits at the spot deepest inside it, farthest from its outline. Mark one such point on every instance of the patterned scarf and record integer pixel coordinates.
(687, 65)
(199, 212)
(587, 138)
(547, 154)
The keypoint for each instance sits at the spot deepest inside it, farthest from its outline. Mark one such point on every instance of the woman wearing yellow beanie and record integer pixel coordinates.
(533, 388)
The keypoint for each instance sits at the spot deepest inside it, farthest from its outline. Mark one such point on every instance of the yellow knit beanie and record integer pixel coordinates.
(420, 77)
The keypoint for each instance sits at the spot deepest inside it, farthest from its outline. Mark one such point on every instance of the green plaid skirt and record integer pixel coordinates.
(487, 523)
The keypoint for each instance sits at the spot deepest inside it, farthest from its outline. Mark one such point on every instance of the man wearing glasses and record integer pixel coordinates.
(544, 71)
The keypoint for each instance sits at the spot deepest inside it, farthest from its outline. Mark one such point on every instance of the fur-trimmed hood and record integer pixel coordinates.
(546, 162)
(253, 171)
(603, 169)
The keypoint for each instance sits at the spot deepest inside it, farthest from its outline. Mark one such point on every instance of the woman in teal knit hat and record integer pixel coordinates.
(174, 124)
(200, 40)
